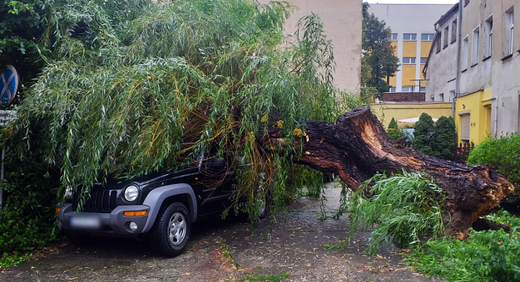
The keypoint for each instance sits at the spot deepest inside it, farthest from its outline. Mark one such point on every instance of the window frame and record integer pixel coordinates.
(475, 45)
(445, 35)
(412, 88)
(454, 31)
(429, 36)
(465, 122)
(411, 61)
(465, 53)
(413, 36)
(509, 32)
(488, 37)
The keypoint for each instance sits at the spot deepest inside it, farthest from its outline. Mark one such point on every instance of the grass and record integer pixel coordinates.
(14, 258)
(272, 277)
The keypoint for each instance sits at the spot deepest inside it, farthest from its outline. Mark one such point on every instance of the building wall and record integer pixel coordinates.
(492, 82)
(402, 97)
(342, 21)
(409, 18)
(386, 111)
(441, 71)
(478, 106)
(505, 111)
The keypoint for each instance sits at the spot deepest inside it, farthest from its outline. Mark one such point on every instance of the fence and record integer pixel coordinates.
(461, 153)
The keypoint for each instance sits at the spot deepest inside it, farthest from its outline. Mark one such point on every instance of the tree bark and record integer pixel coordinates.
(356, 147)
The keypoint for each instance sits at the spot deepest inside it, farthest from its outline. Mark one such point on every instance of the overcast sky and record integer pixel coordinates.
(413, 1)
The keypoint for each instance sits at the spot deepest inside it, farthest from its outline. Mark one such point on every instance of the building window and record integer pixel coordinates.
(475, 45)
(446, 31)
(408, 60)
(394, 37)
(438, 42)
(392, 89)
(509, 32)
(423, 60)
(465, 125)
(441, 97)
(410, 36)
(454, 31)
(488, 40)
(422, 89)
(408, 89)
(427, 36)
(465, 51)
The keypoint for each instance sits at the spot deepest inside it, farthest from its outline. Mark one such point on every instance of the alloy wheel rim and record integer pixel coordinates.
(177, 229)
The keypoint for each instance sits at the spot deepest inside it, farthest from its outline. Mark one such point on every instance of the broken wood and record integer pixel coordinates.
(356, 147)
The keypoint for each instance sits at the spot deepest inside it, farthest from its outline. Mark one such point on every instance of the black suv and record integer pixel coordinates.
(160, 206)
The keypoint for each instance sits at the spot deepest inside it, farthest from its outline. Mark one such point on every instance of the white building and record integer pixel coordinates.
(442, 84)
(487, 92)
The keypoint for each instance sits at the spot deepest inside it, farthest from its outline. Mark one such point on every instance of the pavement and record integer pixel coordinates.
(298, 244)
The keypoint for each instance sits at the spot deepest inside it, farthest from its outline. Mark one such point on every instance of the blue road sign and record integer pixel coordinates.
(9, 80)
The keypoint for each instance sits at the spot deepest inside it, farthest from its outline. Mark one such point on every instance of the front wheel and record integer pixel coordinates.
(171, 230)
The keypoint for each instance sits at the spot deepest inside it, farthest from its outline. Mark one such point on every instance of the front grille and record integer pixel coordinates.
(100, 201)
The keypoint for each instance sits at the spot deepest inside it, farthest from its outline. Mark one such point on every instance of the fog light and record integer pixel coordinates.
(133, 226)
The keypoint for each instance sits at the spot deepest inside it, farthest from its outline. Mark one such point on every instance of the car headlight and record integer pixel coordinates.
(131, 193)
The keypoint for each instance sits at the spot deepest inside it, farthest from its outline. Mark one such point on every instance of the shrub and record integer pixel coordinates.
(423, 131)
(502, 153)
(438, 140)
(485, 256)
(445, 138)
(393, 130)
(27, 216)
(406, 207)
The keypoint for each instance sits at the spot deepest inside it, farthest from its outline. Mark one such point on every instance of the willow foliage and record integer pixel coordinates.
(136, 86)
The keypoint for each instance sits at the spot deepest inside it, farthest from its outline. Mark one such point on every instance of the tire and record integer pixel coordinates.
(78, 239)
(171, 230)
(264, 207)
(263, 203)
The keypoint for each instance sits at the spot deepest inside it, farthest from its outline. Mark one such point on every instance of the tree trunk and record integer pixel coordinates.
(356, 147)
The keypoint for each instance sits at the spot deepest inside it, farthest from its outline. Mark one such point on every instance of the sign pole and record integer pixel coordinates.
(2, 177)
(9, 81)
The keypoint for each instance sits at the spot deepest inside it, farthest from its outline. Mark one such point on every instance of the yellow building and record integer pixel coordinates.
(412, 36)
(473, 116)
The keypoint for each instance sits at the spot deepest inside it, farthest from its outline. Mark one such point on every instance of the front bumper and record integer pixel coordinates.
(114, 223)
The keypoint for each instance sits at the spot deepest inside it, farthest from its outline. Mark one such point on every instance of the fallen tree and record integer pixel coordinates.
(357, 146)
(129, 94)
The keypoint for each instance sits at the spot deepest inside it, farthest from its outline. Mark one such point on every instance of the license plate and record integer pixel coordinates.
(85, 222)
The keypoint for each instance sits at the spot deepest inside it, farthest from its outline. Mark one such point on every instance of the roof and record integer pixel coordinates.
(448, 14)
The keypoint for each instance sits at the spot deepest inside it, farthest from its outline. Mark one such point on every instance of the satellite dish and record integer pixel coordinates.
(9, 80)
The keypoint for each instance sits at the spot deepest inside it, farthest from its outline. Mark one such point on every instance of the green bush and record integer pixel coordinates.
(28, 214)
(404, 207)
(502, 153)
(445, 138)
(423, 133)
(393, 130)
(485, 256)
(438, 140)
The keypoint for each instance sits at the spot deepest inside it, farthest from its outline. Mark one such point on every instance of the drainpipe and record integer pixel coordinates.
(459, 47)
